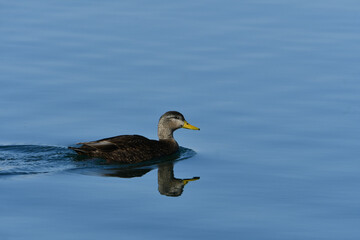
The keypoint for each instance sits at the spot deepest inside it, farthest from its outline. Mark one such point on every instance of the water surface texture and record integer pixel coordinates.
(273, 85)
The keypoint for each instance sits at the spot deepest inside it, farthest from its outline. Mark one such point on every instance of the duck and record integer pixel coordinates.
(136, 148)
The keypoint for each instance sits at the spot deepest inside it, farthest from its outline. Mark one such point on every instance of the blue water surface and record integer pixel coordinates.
(273, 85)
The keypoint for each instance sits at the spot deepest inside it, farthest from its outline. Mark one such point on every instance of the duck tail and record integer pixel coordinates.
(78, 150)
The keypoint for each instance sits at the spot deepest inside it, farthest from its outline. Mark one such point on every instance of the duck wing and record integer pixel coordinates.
(125, 148)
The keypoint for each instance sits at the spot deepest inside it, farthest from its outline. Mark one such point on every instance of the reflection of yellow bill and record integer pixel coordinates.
(189, 126)
(186, 181)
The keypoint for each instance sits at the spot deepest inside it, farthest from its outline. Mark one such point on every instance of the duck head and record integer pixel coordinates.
(169, 122)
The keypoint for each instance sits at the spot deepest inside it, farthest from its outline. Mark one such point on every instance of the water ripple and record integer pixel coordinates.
(33, 159)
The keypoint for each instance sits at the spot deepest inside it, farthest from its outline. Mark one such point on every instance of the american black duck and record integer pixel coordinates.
(136, 148)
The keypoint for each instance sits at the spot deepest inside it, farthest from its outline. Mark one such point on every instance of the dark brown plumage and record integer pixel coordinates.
(136, 148)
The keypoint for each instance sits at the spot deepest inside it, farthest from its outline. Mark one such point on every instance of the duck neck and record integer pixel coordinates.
(165, 133)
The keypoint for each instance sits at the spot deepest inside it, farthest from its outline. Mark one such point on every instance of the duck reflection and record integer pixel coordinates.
(168, 185)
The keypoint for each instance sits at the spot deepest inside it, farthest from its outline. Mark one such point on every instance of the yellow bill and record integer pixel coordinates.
(189, 126)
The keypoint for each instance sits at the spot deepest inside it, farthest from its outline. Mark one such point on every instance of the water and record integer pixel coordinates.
(272, 85)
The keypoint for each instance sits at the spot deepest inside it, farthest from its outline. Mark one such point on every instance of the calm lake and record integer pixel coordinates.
(273, 85)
